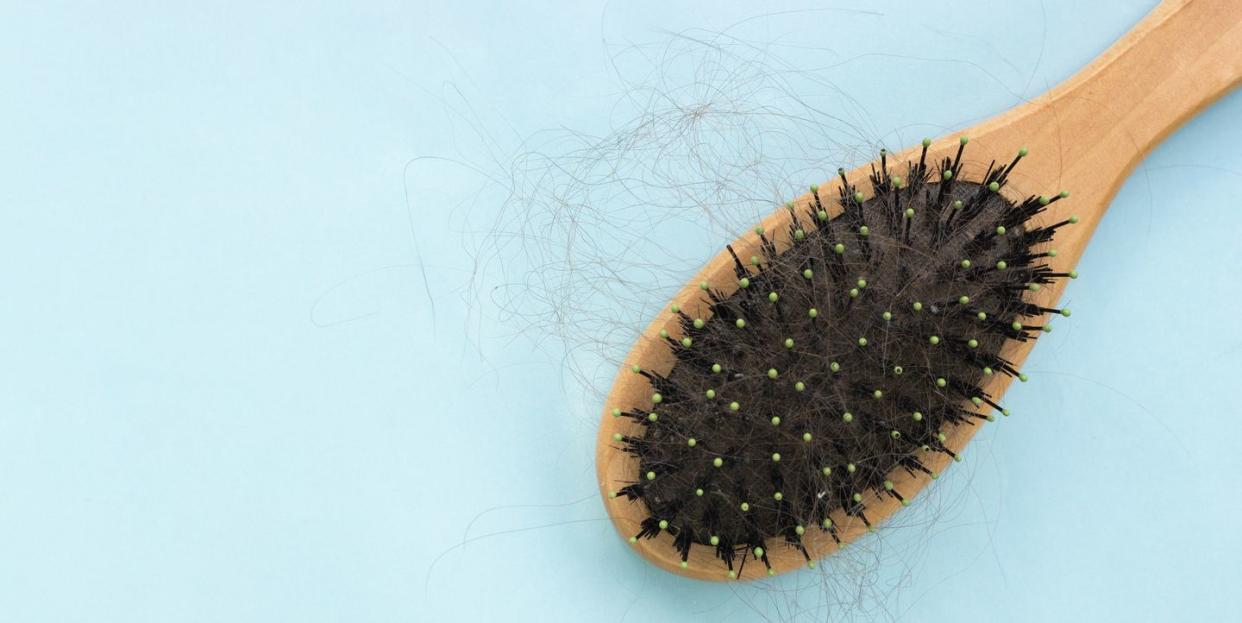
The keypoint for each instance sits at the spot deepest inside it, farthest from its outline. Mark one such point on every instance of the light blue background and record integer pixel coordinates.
(242, 377)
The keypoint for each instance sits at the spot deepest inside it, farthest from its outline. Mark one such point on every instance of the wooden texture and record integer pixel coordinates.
(1084, 136)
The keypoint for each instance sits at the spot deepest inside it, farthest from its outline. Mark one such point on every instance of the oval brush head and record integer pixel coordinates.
(792, 399)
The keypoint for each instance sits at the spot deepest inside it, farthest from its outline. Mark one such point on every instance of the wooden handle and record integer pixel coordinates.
(1085, 135)
(1089, 132)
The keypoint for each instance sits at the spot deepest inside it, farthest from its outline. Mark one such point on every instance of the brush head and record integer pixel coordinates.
(837, 359)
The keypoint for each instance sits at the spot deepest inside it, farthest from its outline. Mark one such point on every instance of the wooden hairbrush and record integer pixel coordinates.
(811, 379)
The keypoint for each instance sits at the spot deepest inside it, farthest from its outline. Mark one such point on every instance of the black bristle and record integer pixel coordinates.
(838, 360)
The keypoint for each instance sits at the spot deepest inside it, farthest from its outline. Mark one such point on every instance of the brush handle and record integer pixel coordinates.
(1089, 132)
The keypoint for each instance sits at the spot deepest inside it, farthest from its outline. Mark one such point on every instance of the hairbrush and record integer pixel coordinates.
(817, 374)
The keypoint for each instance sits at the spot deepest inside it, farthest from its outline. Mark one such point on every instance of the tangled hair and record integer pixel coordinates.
(836, 361)
(597, 231)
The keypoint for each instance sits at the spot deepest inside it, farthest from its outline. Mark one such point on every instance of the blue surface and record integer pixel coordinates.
(247, 377)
